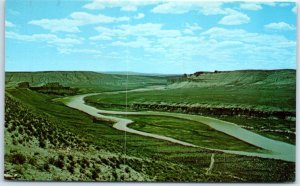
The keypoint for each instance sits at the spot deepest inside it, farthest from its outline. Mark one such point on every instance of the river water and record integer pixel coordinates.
(276, 149)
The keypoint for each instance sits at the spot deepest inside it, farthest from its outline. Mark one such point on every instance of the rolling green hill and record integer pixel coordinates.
(238, 78)
(85, 80)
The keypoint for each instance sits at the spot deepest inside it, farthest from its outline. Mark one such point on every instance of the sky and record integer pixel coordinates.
(148, 36)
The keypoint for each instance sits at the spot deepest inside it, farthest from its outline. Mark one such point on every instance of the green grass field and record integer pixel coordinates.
(189, 131)
(249, 97)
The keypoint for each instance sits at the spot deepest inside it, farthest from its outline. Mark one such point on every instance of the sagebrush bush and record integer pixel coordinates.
(32, 161)
(46, 167)
(71, 169)
(17, 158)
(59, 163)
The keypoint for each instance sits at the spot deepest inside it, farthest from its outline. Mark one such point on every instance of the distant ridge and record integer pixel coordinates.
(149, 74)
(82, 79)
(137, 73)
(246, 70)
(280, 77)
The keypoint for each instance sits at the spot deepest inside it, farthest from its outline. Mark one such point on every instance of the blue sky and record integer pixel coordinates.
(150, 36)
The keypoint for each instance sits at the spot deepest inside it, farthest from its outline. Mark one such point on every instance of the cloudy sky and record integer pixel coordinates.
(149, 36)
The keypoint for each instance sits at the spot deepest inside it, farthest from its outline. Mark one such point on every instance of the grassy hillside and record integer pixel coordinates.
(86, 81)
(37, 149)
(275, 78)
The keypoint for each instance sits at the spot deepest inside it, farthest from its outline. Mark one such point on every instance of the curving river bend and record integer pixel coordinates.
(277, 149)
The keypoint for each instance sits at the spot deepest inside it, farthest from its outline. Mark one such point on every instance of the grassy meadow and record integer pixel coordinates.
(70, 145)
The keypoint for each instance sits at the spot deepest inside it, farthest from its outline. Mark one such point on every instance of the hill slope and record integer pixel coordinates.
(238, 78)
(37, 149)
(86, 81)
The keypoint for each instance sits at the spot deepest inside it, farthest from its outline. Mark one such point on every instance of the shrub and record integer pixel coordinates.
(61, 157)
(127, 170)
(42, 143)
(59, 163)
(82, 171)
(15, 142)
(72, 163)
(20, 130)
(18, 158)
(51, 160)
(95, 174)
(21, 140)
(32, 161)
(46, 167)
(115, 176)
(71, 169)
(70, 157)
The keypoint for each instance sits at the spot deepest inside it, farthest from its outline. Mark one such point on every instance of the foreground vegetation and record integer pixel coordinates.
(36, 149)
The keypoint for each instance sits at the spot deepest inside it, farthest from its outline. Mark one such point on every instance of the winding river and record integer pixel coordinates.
(276, 149)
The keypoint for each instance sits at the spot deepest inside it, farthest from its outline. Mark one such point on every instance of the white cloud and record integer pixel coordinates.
(86, 18)
(129, 8)
(284, 4)
(177, 7)
(124, 5)
(235, 44)
(55, 25)
(248, 37)
(294, 9)
(74, 50)
(216, 44)
(269, 4)
(234, 18)
(9, 24)
(173, 8)
(65, 45)
(212, 9)
(139, 30)
(139, 16)
(250, 6)
(102, 37)
(191, 28)
(140, 42)
(148, 29)
(280, 26)
(74, 21)
(50, 39)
